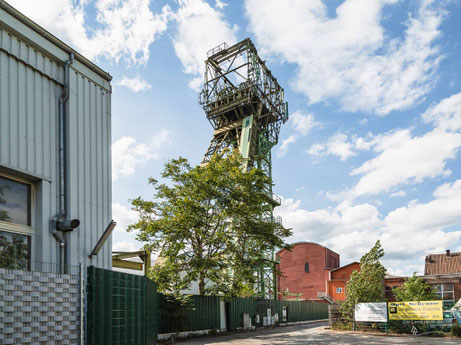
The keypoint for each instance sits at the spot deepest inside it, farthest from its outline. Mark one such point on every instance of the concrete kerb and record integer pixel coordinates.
(204, 332)
(382, 334)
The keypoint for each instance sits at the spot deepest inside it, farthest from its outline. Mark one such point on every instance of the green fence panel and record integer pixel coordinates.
(199, 313)
(303, 310)
(203, 312)
(121, 308)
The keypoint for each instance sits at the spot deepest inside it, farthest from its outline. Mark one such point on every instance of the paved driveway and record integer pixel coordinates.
(313, 334)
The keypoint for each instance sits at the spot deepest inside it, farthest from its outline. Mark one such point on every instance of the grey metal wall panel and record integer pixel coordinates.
(30, 87)
(29, 108)
(89, 140)
(30, 56)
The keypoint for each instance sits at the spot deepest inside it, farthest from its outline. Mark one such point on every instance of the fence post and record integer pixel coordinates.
(82, 306)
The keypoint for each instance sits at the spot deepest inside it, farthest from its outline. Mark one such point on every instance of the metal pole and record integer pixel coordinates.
(82, 309)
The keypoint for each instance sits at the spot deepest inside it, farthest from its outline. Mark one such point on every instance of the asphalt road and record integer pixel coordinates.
(313, 334)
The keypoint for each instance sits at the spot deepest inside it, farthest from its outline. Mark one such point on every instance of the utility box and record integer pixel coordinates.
(246, 322)
(55, 149)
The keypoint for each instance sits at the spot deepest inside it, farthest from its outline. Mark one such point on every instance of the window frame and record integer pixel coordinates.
(21, 229)
(339, 288)
(306, 265)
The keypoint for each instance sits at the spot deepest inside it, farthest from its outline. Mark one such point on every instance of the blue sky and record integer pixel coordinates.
(371, 150)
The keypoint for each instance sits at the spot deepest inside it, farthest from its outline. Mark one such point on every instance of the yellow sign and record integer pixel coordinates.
(424, 310)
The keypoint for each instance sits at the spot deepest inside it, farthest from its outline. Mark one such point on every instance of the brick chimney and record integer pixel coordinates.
(448, 253)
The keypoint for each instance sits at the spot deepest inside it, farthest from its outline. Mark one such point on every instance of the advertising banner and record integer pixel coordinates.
(371, 312)
(424, 310)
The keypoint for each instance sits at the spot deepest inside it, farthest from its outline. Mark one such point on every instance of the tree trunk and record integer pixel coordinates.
(201, 285)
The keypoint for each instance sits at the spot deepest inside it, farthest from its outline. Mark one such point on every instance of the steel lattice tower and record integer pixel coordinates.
(245, 105)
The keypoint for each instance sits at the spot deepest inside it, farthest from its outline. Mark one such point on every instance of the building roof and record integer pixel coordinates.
(305, 242)
(448, 263)
(352, 263)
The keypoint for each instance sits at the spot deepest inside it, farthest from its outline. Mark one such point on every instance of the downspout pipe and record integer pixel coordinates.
(59, 222)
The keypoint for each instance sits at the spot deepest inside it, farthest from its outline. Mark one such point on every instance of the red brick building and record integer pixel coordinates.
(305, 270)
(442, 272)
(391, 282)
(336, 285)
(448, 263)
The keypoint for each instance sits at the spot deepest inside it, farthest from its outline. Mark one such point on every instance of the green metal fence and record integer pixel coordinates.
(121, 309)
(195, 313)
(305, 311)
(258, 309)
(203, 312)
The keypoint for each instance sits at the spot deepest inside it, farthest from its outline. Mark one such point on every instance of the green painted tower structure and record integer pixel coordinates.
(245, 105)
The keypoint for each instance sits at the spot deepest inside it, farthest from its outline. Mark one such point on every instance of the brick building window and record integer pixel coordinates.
(306, 267)
(339, 290)
(445, 292)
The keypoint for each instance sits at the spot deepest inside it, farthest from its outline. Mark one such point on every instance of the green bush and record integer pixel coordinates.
(398, 326)
(456, 330)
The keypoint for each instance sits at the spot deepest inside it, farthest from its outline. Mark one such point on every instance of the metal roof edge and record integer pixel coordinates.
(354, 262)
(307, 242)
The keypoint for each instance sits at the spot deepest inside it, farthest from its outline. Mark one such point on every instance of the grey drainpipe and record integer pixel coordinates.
(59, 222)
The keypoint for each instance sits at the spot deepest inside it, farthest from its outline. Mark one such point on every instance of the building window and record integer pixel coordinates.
(339, 290)
(445, 292)
(306, 267)
(14, 251)
(15, 223)
(15, 202)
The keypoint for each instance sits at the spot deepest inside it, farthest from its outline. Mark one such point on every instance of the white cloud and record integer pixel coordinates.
(135, 84)
(124, 216)
(200, 28)
(446, 115)
(121, 29)
(127, 155)
(125, 246)
(406, 233)
(351, 57)
(300, 189)
(301, 124)
(316, 150)
(400, 193)
(283, 149)
(220, 4)
(337, 145)
(402, 158)
(405, 159)
(320, 224)
(423, 225)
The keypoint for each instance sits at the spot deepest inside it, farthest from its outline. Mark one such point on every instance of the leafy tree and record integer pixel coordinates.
(366, 285)
(206, 225)
(414, 289)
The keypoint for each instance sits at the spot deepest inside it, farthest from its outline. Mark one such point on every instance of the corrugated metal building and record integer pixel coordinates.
(33, 195)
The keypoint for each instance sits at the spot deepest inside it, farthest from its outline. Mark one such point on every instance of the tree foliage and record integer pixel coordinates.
(205, 223)
(366, 285)
(414, 289)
